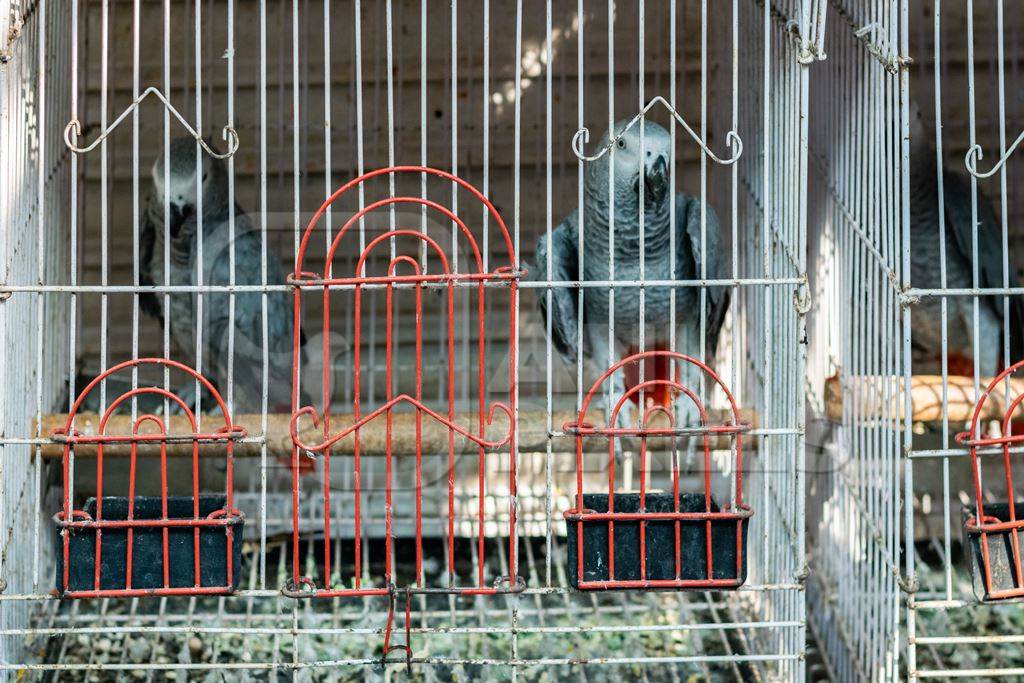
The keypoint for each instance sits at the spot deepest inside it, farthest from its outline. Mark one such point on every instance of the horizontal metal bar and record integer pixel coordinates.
(767, 431)
(441, 630)
(176, 591)
(545, 590)
(967, 673)
(912, 293)
(42, 441)
(532, 434)
(284, 664)
(724, 516)
(942, 604)
(952, 640)
(523, 284)
(468, 610)
(661, 583)
(959, 452)
(706, 430)
(150, 523)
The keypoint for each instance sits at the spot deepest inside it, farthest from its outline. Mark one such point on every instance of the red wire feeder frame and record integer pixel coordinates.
(149, 430)
(994, 529)
(506, 278)
(717, 522)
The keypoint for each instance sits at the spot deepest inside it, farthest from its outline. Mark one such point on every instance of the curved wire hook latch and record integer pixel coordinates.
(74, 128)
(732, 139)
(459, 429)
(974, 155)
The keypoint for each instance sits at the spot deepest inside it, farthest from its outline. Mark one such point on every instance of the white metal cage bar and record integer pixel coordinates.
(492, 92)
(34, 45)
(970, 66)
(858, 201)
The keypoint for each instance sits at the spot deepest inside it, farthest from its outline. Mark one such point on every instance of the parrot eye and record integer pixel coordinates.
(621, 143)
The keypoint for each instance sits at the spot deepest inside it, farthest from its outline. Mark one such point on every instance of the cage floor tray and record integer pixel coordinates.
(147, 547)
(660, 542)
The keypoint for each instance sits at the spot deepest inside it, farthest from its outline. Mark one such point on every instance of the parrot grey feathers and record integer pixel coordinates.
(925, 262)
(176, 197)
(689, 259)
(565, 267)
(564, 300)
(611, 215)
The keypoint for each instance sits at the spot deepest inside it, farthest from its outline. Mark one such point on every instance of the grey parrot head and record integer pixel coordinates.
(179, 189)
(631, 163)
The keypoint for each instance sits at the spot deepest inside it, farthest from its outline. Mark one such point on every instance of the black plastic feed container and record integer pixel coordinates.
(147, 547)
(660, 540)
(1004, 576)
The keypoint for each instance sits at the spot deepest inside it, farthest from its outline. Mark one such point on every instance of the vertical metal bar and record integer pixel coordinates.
(199, 301)
(423, 128)
(580, 193)
(513, 557)
(642, 332)
(943, 302)
(798, 414)
(549, 219)
(69, 464)
(41, 216)
(104, 179)
(328, 370)
(904, 86)
(765, 444)
(263, 280)
(454, 141)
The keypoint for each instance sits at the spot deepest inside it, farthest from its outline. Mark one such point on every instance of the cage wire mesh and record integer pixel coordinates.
(299, 98)
(857, 354)
(34, 185)
(915, 249)
(965, 97)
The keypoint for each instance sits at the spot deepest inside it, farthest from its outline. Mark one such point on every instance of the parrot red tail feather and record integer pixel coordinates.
(655, 368)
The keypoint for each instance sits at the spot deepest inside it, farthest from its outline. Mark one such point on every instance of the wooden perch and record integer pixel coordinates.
(878, 396)
(532, 434)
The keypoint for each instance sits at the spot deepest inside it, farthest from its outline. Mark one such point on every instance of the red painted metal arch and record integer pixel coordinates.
(311, 226)
(68, 428)
(638, 358)
(69, 518)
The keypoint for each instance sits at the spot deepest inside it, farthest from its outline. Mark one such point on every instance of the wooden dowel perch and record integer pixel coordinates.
(532, 434)
(880, 397)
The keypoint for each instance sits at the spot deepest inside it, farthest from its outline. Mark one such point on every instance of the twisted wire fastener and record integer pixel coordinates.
(974, 155)
(74, 128)
(732, 139)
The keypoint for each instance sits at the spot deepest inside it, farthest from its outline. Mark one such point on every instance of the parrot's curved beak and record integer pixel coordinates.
(656, 179)
(179, 214)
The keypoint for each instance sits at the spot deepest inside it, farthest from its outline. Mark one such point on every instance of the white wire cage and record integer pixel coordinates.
(961, 617)
(857, 198)
(319, 94)
(916, 251)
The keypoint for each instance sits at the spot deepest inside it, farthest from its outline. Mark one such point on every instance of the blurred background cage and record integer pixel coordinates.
(915, 246)
(315, 95)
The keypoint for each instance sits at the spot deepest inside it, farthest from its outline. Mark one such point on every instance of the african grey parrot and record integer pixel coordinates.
(926, 317)
(180, 193)
(630, 163)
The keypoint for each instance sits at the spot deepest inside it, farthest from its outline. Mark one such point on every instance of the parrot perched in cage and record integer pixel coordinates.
(180, 193)
(925, 273)
(652, 163)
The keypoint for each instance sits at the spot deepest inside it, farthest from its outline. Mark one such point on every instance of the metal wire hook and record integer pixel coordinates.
(74, 128)
(732, 139)
(974, 155)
